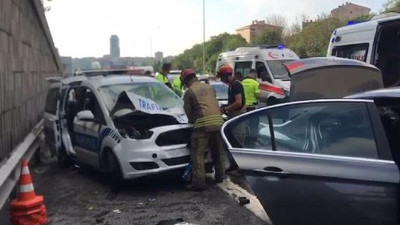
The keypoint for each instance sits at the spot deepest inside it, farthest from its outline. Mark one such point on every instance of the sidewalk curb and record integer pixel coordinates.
(236, 191)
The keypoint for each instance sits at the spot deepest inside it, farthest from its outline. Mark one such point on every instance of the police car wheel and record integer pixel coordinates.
(63, 159)
(111, 166)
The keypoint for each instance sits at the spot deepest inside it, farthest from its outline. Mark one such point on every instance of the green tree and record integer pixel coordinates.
(314, 39)
(392, 6)
(268, 37)
(233, 42)
(193, 57)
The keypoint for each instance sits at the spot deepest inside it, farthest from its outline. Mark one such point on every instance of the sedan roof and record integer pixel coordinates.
(393, 92)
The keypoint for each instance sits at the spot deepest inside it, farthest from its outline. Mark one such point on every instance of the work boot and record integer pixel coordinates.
(220, 179)
(209, 167)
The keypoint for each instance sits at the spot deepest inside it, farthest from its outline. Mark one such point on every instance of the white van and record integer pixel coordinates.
(267, 61)
(125, 125)
(376, 42)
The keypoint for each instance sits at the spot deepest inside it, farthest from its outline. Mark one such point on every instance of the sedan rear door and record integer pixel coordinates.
(317, 162)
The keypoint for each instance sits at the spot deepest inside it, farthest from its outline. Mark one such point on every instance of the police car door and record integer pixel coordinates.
(51, 121)
(86, 131)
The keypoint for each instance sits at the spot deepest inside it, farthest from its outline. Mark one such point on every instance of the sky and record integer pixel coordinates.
(82, 28)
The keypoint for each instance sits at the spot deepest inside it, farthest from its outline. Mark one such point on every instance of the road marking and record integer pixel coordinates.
(236, 191)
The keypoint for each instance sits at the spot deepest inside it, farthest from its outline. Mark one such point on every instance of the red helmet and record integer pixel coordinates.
(224, 70)
(186, 73)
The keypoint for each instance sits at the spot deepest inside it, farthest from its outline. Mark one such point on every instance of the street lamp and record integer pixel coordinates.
(204, 36)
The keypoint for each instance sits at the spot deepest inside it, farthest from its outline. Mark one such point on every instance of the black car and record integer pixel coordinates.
(323, 161)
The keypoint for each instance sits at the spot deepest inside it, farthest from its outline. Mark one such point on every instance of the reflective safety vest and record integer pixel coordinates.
(206, 121)
(177, 86)
(251, 89)
(163, 79)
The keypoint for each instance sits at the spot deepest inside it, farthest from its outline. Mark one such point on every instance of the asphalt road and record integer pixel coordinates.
(76, 197)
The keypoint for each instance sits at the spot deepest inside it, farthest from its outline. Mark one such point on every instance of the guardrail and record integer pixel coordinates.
(11, 169)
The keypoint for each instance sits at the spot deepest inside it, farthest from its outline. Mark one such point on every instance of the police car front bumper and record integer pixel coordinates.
(144, 157)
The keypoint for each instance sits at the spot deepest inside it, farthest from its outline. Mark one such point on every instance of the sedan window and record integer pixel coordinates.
(341, 129)
(252, 131)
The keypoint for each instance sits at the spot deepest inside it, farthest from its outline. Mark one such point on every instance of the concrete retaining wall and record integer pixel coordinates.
(27, 57)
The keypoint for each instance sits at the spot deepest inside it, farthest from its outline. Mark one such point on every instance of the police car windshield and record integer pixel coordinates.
(278, 69)
(155, 91)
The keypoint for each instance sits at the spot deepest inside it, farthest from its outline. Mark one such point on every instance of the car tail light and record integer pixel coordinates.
(272, 88)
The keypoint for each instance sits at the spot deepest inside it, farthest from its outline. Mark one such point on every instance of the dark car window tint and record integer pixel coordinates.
(389, 111)
(51, 101)
(342, 129)
(243, 67)
(252, 131)
(357, 52)
(262, 72)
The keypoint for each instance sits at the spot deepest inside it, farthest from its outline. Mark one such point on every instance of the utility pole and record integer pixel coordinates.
(204, 36)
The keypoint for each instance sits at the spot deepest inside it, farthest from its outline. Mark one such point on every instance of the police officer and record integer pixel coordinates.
(162, 76)
(252, 94)
(251, 90)
(177, 86)
(202, 109)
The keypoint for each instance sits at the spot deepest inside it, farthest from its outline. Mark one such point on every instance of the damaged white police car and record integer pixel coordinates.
(122, 124)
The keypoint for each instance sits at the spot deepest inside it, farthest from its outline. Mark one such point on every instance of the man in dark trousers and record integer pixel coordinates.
(236, 106)
(202, 109)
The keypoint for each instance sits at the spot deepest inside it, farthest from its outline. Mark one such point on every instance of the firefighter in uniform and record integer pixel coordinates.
(236, 106)
(162, 76)
(202, 109)
(236, 98)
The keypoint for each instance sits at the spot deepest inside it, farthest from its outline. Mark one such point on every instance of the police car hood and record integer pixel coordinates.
(328, 77)
(144, 112)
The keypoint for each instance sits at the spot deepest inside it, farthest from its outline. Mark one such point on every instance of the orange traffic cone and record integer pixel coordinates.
(28, 208)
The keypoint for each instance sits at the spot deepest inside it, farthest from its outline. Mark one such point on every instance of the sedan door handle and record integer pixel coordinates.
(275, 171)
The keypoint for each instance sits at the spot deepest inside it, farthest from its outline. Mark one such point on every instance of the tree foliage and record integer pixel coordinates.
(314, 39)
(392, 6)
(193, 57)
(268, 37)
(277, 20)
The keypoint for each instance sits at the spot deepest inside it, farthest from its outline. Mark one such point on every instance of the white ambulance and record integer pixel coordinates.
(268, 61)
(376, 42)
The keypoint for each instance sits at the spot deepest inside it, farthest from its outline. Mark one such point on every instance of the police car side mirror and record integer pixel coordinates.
(85, 115)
